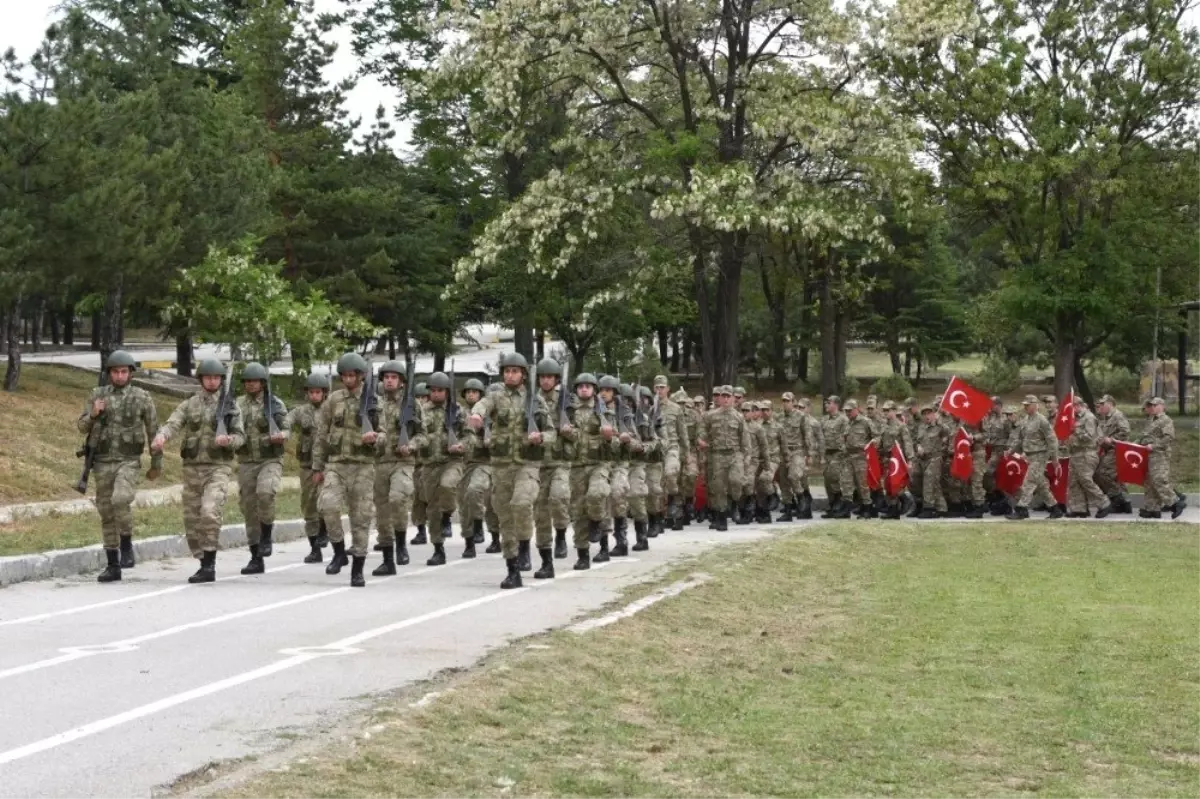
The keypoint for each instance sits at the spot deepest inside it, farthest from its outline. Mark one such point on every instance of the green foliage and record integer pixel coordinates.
(999, 375)
(1104, 378)
(893, 387)
(850, 387)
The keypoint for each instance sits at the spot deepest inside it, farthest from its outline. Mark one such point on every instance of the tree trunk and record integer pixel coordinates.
(183, 355)
(439, 362)
(55, 330)
(728, 304)
(703, 309)
(829, 328)
(110, 325)
(663, 344)
(908, 361)
(95, 331)
(1081, 382)
(539, 340)
(380, 345)
(12, 375)
(893, 348)
(68, 322)
(777, 310)
(674, 365)
(1065, 356)
(391, 347)
(38, 324)
(523, 339)
(685, 364)
(843, 330)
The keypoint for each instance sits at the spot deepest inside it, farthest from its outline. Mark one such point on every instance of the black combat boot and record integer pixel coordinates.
(560, 543)
(973, 511)
(112, 572)
(1107, 509)
(844, 509)
(513, 580)
(712, 519)
(493, 547)
(583, 561)
(621, 542)
(676, 514)
(420, 537)
(1000, 507)
(356, 571)
(917, 507)
(603, 555)
(639, 531)
(1017, 514)
(1056, 512)
(338, 559)
(439, 556)
(266, 544)
(380, 546)
(314, 555)
(547, 570)
(322, 534)
(928, 513)
(523, 562)
(593, 532)
(1123, 504)
(1179, 506)
(389, 563)
(255, 566)
(651, 525)
(207, 573)
(477, 531)
(687, 514)
(762, 515)
(806, 507)
(469, 549)
(835, 504)
(789, 511)
(128, 561)
(722, 521)
(447, 527)
(401, 549)
(1149, 514)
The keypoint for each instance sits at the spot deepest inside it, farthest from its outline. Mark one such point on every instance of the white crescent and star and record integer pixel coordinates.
(1013, 468)
(894, 468)
(958, 392)
(1134, 458)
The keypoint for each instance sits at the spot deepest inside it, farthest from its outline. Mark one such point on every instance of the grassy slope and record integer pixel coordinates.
(848, 660)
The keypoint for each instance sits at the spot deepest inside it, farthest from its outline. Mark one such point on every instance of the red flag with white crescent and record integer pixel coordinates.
(1057, 473)
(963, 463)
(701, 498)
(965, 402)
(1064, 423)
(897, 476)
(1133, 462)
(874, 470)
(1010, 473)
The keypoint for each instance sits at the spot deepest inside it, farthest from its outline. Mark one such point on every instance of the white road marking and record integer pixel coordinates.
(674, 589)
(101, 725)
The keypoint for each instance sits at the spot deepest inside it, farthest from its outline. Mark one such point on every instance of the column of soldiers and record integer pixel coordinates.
(529, 458)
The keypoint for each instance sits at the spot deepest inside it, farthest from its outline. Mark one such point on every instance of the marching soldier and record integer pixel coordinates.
(1158, 437)
(776, 457)
(893, 431)
(554, 484)
(395, 467)
(592, 436)
(723, 439)
(860, 431)
(996, 430)
(517, 451)
(118, 421)
(687, 486)
(641, 446)
(675, 453)
(207, 464)
(1082, 491)
(344, 467)
(797, 446)
(926, 476)
(834, 427)
(260, 462)
(476, 481)
(973, 507)
(492, 518)
(610, 390)
(754, 454)
(655, 495)
(1114, 427)
(441, 453)
(1035, 440)
(303, 420)
(420, 507)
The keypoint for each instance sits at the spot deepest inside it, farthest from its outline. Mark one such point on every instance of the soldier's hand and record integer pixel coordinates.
(153, 474)
(535, 437)
(369, 438)
(475, 421)
(97, 407)
(625, 438)
(701, 443)
(158, 443)
(318, 478)
(278, 438)
(920, 450)
(566, 429)
(404, 449)
(456, 449)
(223, 441)
(1149, 447)
(1106, 442)
(607, 432)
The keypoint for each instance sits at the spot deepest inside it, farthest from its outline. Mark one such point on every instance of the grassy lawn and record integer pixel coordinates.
(849, 660)
(66, 531)
(39, 440)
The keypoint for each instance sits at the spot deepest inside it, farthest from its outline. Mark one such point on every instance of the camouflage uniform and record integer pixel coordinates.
(860, 431)
(348, 466)
(1035, 440)
(476, 482)
(687, 484)
(926, 474)
(620, 476)
(1082, 492)
(1160, 434)
(395, 485)
(724, 432)
(302, 419)
(656, 495)
(118, 437)
(260, 465)
(892, 432)
(674, 453)
(837, 470)
(797, 447)
(996, 432)
(441, 470)
(1114, 426)
(554, 483)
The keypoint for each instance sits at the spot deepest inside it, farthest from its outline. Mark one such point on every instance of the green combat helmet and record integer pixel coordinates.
(514, 359)
(255, 371)
(472, 384)
(439, 380)
(422, 390)
(316, 380)
(210, 366)
(585, 378)
(608, 381)
(392, 367)
(549, 366)
(120, 358)
(352, 362)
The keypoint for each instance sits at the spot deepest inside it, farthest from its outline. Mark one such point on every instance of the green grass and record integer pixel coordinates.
(848, 659)
(66, 531)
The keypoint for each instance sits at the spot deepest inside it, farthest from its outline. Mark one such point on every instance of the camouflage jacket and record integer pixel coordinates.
(758, 454)
(932, 438)
(1114, 426)
(436, 439)
(585, 442)
(833, 431)
(195, 420)
(724, 430)
(1086, 435)
(1160, 434)
(124, 428)
(674, 427)
(303, 420)
(895, 432)
(258, 447)
(504, 411)
(339, 431)
(1034, 435)
(391, 408)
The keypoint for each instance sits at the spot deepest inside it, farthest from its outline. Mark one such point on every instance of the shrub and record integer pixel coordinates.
(998, 376)
(850, 387)
(893, 387)
(1116, 380)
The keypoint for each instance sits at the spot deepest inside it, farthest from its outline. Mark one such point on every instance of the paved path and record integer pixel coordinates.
(114, 690)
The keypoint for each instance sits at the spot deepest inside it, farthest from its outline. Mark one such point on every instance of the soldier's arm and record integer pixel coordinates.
(1122, 432)
(682, 435)
(1051, 441)
(149, 417)
(906, 443)
(237, 432)
(174, 421)
(320, 439)
(282, 417)
(291, 418)
(85, 421)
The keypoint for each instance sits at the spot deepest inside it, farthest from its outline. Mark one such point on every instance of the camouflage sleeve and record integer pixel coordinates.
(1123, 430)
(282, 417)
(85, 422)
(544, 422)
(906, 442)
(681, 435)
(236, 429)
(747, 441)
(290, 420)
(149, 415)
(483, 408)
(418, 439)
(321, 438)
(1051, 440)
(175, 420)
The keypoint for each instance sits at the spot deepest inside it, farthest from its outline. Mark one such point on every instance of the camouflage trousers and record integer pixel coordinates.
(116, 487)
(618, 482)
(1036, 486)
(1158, 491)
(724, 479)
(764, 482)
(393, 494)
(1082, 492)
(656, 497)
(687, 481)
(1106, 474)
(856, 466)
(439, 489)
(989, 475)
(258, 483)
(838, 479)
(420, 507)
(309, 493)
(672, 467)
(974, 488)
(349, 486)
(514, 490)
(205, 488)
(591, 494)
(553, 503)
(473, 492)
(925, 478)
(792, 476)
(952, 489)
(638, 492)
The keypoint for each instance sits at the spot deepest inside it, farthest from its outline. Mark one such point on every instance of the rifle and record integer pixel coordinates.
(638, 413)
(563, 421)
(531, 425)
(88, 453)
(369, 403)
(655, 417)
(269, 407)
(406, 411)
(225, 406)
(452, 410)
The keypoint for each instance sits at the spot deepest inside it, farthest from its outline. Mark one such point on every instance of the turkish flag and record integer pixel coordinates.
(1057, 472)
(965, 402)
(963, 463)
(874, 470)
(1064, 423)
(897, 476)
(1133, 462)
(701, 499)
(1010, 473)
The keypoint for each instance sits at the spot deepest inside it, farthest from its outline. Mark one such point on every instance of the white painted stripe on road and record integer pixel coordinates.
(674, 589)
(101, 725)
(108, 603)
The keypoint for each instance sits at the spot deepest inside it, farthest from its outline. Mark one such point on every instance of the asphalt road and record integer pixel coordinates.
(112, 690)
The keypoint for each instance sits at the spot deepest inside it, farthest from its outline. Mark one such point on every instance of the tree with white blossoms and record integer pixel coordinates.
(232, 299)
(725, 119)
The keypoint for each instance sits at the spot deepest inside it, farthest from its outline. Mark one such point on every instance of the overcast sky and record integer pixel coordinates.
(24, 22)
